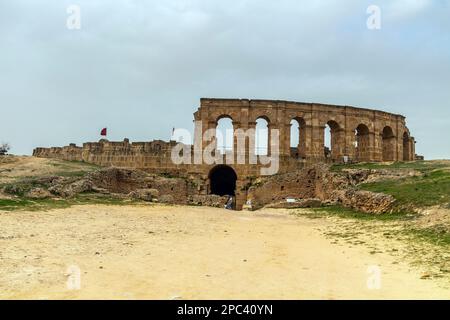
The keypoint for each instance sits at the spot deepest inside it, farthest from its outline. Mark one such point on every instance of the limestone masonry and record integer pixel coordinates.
(357, 135)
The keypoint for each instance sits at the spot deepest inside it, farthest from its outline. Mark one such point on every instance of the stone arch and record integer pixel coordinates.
(406, 147)
(261, 114)
(262, 136)
(297, 137)
(279, 114)
(224, 116)
(362, 143)
(222, 180)
(263, 117)
(224, 133)
(388, 143)
(333, 132)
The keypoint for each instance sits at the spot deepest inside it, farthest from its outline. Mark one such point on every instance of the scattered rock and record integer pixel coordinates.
(208, 200)
(144, 194)
(366, 201)
(357, 176)
(167, 198)
(317, 185)
(425, 275)
(38, 193)
(72, 189)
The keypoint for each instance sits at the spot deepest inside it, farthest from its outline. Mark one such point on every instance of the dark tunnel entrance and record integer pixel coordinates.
(222, 180)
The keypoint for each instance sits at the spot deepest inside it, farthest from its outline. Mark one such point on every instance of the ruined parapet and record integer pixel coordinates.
(70, 153)
(143, 155)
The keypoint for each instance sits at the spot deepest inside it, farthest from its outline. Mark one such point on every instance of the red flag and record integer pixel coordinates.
(103, 132)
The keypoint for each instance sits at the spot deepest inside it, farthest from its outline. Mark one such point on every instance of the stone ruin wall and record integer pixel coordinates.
(380, 136)
(151, 156)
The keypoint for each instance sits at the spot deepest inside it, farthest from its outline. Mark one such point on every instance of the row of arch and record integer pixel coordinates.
(334, 139)
(226, 143)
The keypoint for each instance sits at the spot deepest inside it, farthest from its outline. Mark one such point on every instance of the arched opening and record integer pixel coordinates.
(222, 181)
(331, 140)
(406, 147)
(297, 137)
(224, 134)
(262, 137)
(362, 143)
(388, 142)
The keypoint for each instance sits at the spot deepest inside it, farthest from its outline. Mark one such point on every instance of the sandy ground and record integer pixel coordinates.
(164, 252)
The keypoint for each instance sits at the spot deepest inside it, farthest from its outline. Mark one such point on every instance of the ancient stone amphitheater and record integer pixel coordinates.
(357, 135)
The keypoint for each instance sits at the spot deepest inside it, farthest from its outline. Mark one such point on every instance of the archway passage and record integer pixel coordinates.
(222, 181)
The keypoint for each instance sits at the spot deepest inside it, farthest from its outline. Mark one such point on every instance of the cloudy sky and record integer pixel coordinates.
(139, 67)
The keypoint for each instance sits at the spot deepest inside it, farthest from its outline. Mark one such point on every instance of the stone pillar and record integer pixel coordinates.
(371, 149)
(350, 139)
(308, 150)
(338, 141)
(281, 143)
(377, 154)
(241, 194)
(251, 144)
(318, 142)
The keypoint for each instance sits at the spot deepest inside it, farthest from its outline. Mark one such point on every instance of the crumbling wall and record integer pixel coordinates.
(298, 184)
(316, 182)
(153, 156)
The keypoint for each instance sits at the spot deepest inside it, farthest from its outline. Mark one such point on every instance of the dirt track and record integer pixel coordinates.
(163, 252)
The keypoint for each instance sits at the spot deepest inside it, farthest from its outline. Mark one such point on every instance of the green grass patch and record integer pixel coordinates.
(422, 166)
(433, 235)
(433, 188)
(49, 204)
(73, 168)
(71, 164)
(69, 174)
(342, 212)
(32, 205)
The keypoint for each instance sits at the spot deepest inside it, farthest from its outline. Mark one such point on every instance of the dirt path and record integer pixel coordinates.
(163, 252)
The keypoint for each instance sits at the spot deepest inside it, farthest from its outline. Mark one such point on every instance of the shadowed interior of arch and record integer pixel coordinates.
(222, 180)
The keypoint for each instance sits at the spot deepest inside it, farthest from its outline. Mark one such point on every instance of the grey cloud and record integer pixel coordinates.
(139, 67)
